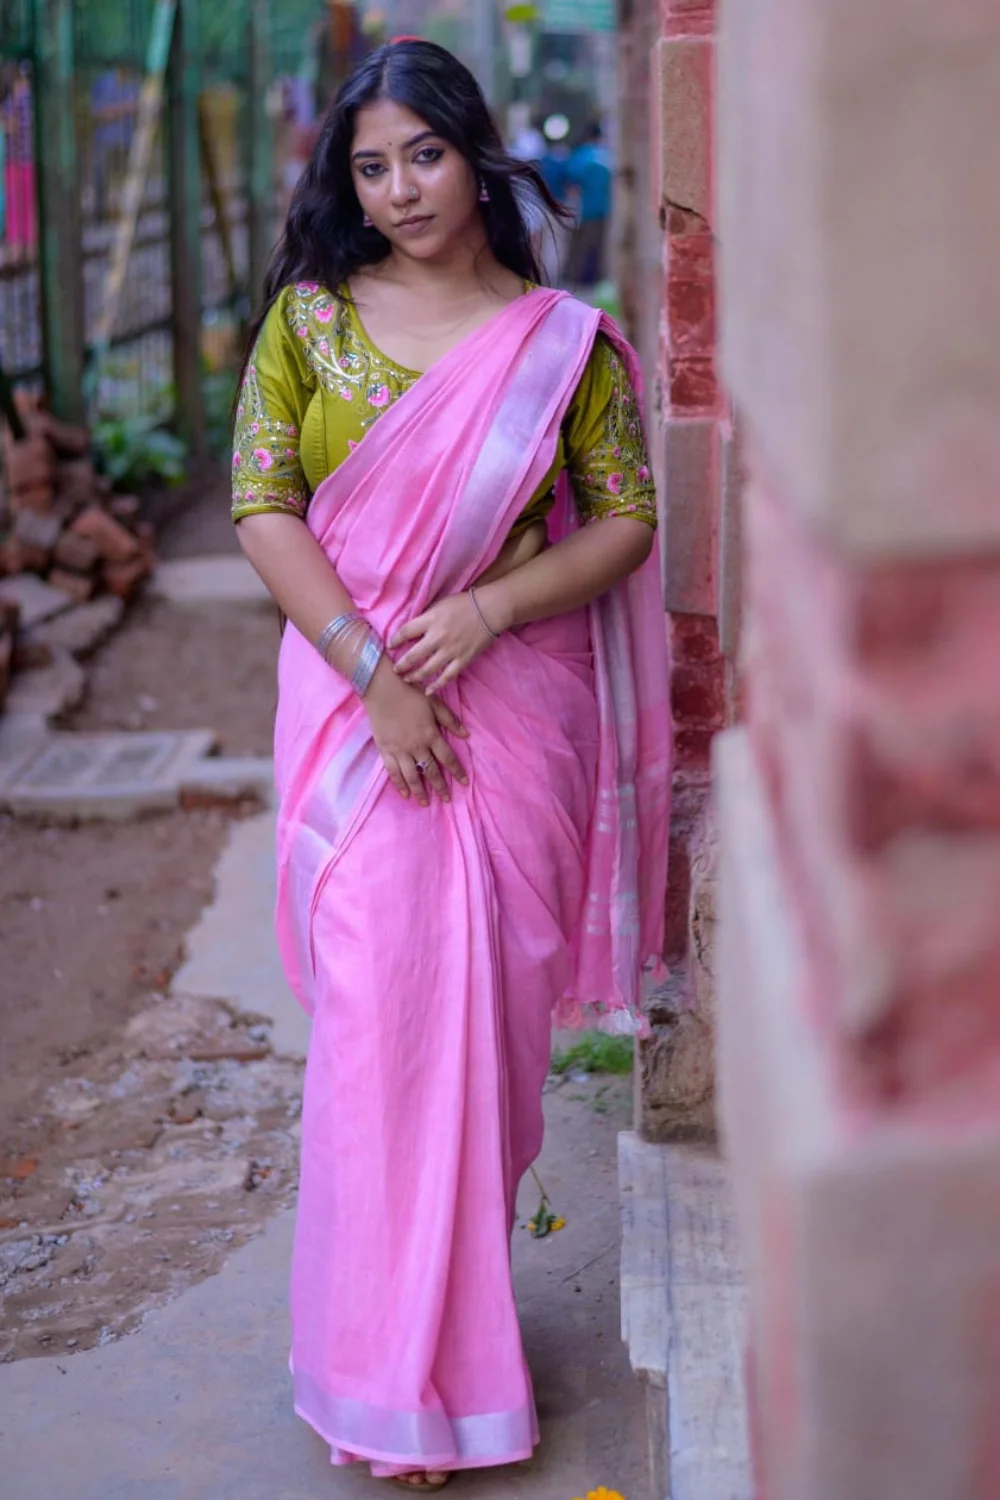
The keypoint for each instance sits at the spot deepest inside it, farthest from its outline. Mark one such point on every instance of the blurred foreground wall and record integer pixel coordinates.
(860, 808)
(830, 162)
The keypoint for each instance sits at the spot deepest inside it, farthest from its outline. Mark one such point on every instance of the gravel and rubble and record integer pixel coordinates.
(171, 1148)
(142, 1138)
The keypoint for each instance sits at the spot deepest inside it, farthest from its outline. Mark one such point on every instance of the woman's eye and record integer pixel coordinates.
(429, 154)
(371, 169)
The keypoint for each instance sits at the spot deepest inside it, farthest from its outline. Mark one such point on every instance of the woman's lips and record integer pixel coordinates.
(414, 225)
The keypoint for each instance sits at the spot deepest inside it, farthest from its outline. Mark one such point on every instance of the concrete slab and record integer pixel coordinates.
(684, 1317)
(35, 599)
(645, 1256)
(194, 581)
(232, 953)
(193, 1407)
(71, 776)
(221, 778)
(43, 694)
(19, 737)
(79, 630)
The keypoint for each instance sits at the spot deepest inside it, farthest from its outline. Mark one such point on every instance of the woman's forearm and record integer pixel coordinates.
(568, 575)
(293, 566)
(291, 563)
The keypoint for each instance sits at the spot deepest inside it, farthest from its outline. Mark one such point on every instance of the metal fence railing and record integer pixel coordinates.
(174, 247)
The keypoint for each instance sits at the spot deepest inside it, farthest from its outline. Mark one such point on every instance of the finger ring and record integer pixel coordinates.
(422, 765)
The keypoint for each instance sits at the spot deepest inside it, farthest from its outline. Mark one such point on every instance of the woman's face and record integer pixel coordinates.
(415, 187)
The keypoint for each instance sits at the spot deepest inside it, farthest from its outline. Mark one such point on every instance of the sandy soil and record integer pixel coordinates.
(92, 920)
(92, 926)
(189, 669)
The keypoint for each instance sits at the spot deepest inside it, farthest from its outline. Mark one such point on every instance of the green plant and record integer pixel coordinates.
(132, 451)
(605, 296)
(545, 1221)
(218, 387)
(596, 1052)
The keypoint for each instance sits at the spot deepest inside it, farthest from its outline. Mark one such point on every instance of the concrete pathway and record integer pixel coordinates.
(223, 578)
(195, 1405)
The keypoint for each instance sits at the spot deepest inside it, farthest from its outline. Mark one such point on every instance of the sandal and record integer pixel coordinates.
(420, 1482)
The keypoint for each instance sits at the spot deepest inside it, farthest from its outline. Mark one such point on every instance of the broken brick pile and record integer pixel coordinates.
(61, 520)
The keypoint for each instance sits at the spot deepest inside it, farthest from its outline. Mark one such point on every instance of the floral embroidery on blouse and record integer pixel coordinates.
(341, 360)
(315, 350)
(612, 477)
(266, 471)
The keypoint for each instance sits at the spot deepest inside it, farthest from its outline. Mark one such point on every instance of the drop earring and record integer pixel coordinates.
(367, 222)
(484, 192)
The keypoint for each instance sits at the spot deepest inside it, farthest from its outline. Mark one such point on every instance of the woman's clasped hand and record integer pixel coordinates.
(408, 720)
(441, 642)
(408, 729)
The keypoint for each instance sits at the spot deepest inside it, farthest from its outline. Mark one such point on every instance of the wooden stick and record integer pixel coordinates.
(140, 157)
(218, 200)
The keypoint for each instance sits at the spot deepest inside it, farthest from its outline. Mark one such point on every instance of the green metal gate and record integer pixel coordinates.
(121, 289)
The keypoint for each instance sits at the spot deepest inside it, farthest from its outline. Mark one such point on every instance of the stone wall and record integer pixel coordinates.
(860, 807)
(667, 272)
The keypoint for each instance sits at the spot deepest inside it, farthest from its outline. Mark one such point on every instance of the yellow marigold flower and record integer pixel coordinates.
(557, 1224)
(603, 1494)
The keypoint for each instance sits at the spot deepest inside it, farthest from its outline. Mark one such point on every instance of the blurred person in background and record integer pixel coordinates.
(114, 105)
(588, 171)
(553, 166)
(528, 144)
(441, 475)
(18, 124)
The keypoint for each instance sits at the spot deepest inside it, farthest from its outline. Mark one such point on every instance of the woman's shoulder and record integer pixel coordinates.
(307, 310)
(607, 371)
(610, 385)
(303, 331)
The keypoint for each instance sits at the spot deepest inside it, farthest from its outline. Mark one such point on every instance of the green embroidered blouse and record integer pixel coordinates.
(316, 384)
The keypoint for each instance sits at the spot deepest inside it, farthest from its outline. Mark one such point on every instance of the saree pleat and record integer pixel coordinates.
(423, 1092)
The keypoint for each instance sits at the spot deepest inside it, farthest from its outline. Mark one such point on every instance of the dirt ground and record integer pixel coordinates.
(152, 1158)
(188, 669)
(92, 925)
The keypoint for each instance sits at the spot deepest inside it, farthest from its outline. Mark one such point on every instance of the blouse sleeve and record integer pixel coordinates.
(605, 444)
(276, 390)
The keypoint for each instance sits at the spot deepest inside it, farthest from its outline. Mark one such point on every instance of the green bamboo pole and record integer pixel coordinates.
(140, 160)
(60, 223)
(183, 88)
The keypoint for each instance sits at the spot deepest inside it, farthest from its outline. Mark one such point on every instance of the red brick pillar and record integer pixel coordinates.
(860, 809)
(675, 1096)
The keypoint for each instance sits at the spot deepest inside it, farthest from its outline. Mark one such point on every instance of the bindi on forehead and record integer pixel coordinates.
(388, 145)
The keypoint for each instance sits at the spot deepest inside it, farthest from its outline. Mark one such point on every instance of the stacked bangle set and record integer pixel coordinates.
(372, 649)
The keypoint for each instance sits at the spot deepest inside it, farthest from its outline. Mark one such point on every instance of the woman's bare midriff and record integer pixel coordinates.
(515, 552)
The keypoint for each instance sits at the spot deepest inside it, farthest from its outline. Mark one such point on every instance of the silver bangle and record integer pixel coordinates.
(482, 618)
(337, 627)
(367, 663)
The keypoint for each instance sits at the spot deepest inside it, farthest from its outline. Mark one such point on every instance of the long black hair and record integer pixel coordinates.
(325, 238)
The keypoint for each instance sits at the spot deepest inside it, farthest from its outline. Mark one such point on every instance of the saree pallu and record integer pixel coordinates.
(432, 946)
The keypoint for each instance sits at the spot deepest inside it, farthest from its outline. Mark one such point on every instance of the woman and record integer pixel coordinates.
(472, 765)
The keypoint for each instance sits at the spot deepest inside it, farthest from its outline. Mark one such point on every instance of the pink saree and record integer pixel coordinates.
(433, 946)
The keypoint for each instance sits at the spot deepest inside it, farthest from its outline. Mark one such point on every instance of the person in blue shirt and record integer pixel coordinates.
(553, 166)
(589, 172)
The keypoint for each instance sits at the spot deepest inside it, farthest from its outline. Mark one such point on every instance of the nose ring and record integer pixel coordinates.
(412, 195)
